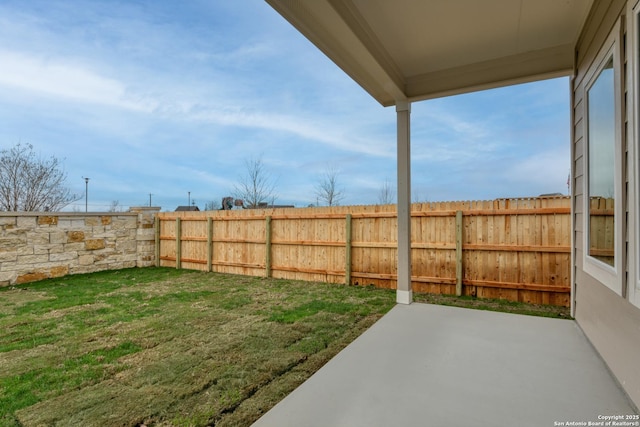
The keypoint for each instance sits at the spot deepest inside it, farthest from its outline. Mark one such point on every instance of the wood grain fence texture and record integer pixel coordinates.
(602, 229)
(515, 249)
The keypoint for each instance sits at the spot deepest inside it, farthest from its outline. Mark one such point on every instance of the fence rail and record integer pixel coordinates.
(517, 249)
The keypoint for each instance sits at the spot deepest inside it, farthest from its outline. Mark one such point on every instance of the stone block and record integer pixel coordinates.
(75, 236)
(144, 254)
(15, 231)
(79, 246)
(146, 261)
(31, 277)
(33, 259)
(104, 234)
(7, 256)
(126, 246)
(56, 249)
(91, 221)
(119, 224)
(59, 271)
(26, 221)
(39, 237)
(71, 222)
(39, 249)
(57, 236)
(85, 260)
(128, 257)
(145, 245)
(7, 220)
(105, 220)
(48, 249)
(47, 220)
(145, 234)
(94, 244)
(10, 243)
(64, 256)
(120, 234)
(8, 277)
(25, 250)
(10, 266)
(101, 257)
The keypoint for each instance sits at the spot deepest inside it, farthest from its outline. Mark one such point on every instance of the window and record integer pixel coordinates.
(604, 241)
(601, 175)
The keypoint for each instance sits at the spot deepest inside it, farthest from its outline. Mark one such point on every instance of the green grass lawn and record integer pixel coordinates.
(164, 347)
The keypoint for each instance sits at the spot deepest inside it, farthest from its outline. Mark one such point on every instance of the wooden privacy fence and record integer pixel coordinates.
(517, 249)
(602, 229)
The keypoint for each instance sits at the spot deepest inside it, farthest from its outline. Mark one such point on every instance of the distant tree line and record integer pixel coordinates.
(29, 182)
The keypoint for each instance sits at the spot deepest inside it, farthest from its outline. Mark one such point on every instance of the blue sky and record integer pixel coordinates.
(169, 97)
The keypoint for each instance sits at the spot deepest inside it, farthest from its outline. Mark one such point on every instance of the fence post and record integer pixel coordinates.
(267, 249)
(458, 253)
(178, 243)
(209, 244)
(347, 267)
(157, 237)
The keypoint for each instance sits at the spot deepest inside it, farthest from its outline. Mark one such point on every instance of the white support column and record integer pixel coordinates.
(404, 293)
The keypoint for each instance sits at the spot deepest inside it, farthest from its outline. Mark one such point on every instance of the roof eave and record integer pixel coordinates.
(336, 30)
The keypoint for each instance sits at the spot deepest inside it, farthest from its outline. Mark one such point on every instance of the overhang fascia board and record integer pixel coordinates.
(361, 29)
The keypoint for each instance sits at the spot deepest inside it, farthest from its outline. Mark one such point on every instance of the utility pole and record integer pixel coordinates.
(189, 199)
(86, 195)
(150, 199)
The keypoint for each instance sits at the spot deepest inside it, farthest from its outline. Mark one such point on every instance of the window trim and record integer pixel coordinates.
(633, 116)
(610, 276)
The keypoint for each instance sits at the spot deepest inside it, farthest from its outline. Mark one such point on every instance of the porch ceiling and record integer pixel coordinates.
(408, 50)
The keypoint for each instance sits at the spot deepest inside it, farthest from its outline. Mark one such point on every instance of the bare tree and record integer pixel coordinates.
(419, 196)
(387, 195)
(115, 206)
(212, 205)
(327, 189)
(256, 186)
(30, 183)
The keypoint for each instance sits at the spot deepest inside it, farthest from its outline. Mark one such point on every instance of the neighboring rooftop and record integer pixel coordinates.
(187, 209)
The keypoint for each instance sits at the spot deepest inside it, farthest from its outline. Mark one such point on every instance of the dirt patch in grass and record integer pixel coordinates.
(166, 347)
(17, 297)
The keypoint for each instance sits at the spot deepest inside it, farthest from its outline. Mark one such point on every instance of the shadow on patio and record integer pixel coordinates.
(429, 365)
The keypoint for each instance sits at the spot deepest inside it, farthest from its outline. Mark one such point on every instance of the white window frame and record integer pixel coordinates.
(633, 113)
(610, 276)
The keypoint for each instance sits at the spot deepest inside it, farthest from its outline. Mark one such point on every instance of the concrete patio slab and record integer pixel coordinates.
(429, 365)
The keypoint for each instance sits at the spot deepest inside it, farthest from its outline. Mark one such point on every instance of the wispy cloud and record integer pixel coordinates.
(68, 81)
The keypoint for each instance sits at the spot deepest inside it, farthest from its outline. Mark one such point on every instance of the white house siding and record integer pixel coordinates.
(610, 321)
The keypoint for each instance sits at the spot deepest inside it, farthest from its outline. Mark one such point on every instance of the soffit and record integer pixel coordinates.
(417, 49)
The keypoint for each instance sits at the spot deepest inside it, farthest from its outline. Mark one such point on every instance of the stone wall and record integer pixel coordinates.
(41, 245)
